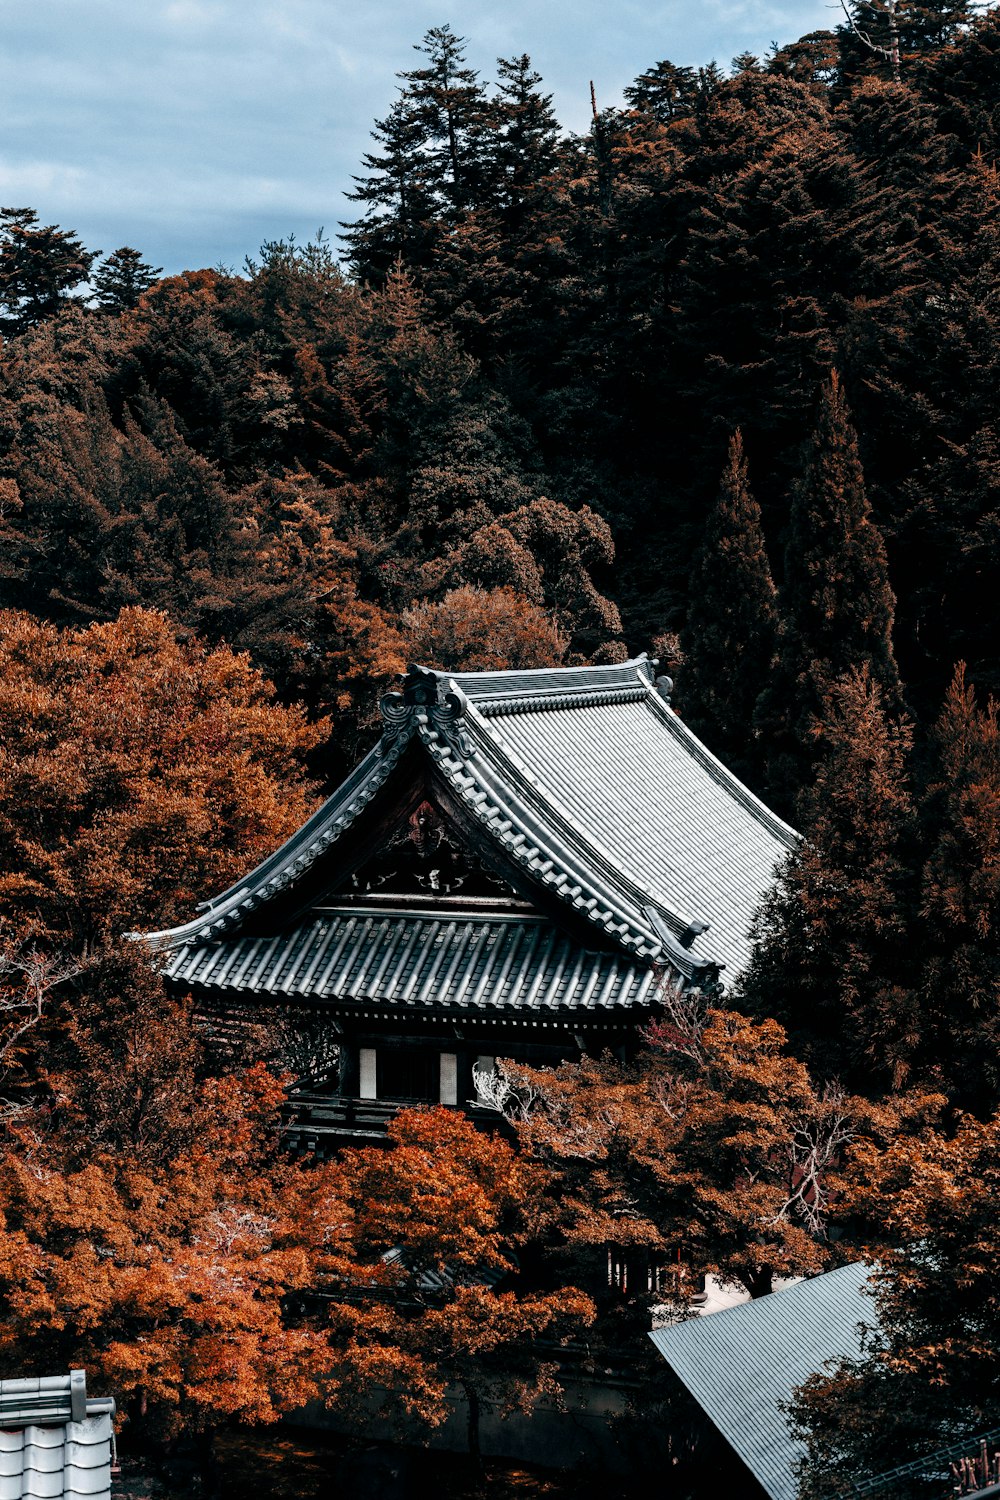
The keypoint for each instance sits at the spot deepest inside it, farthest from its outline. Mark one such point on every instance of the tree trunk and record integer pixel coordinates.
(472, 1426)
(759, 1281)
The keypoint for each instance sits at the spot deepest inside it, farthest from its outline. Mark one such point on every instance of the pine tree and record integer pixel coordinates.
(526, 132)
(730, 640)
(834, 956)
(664, 91)
(121, 279)
(40, 266)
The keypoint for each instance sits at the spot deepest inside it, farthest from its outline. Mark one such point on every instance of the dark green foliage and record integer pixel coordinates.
(731, 635)
(121, 280)
(835, 960)
(837, 604)
(40, 266)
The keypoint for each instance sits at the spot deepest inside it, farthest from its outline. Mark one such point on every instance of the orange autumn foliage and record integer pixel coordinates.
(428, 1300)
(137, 772)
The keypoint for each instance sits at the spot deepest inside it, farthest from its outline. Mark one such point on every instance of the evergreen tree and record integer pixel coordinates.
(121, 279)
(836, 586)
(837, 603)
(525, 132)
(960, 987)
(396, 192)
(834, 956)
(664, 91)
(40, 266)
(730, 639)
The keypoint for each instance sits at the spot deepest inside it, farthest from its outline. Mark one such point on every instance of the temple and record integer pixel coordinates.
(520, 868)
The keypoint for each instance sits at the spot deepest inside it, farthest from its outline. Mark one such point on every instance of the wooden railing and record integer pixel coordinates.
(316, 1124)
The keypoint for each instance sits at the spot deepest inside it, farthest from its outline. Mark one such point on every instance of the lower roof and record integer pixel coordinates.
(743, 1365)
(404, 961)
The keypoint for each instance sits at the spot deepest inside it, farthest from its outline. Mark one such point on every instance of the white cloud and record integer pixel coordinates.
(195, 128)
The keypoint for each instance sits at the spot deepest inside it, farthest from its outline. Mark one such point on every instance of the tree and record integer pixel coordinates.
(712, 1151)
(430, 169)
(836, 598)
(165, 1262)
(136, 773)
(664, 91)
(122, 279)
(525, 133)
(428, 1298)
(40, 265)
(482, 630)
(730, 639)
(960, 925)
(929, 1206)
(835, 959)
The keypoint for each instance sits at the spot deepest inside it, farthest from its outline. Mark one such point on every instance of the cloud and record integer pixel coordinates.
(197, 128)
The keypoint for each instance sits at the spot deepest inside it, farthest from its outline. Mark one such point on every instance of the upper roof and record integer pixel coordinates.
(53, 1440)
(742, 1365)
(589, 785)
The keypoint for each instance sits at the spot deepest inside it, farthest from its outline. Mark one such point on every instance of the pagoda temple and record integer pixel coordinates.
(518, 869)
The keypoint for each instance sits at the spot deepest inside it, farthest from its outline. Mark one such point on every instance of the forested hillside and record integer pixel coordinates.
(720, 380)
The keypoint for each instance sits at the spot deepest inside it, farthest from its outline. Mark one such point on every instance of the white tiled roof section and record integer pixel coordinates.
(660, 806)
(57, 1462)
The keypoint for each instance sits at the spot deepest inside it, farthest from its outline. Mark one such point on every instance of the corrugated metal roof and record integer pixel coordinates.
(400, 960)
(54, 1443)
(743, 1363)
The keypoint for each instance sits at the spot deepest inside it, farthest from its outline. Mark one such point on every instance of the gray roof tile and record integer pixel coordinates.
(44, 1453)
(404, 960)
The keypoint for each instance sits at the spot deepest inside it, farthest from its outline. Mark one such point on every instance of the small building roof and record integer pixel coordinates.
(54, 1442)
(585, 783)
(743, 1364)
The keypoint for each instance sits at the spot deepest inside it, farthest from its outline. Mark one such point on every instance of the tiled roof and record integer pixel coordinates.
(54, 1443)
(402, 960)
(742, 1364)
(590, 786)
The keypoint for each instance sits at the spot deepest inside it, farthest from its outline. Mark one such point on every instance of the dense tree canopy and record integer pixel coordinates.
(233, 505)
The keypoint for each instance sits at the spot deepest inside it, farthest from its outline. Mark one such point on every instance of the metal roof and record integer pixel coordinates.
(590, 786)
(403, 960)
(742, 1364)
(54, 1442)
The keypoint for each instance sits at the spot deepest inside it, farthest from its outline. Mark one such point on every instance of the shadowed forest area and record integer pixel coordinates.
(719, 380)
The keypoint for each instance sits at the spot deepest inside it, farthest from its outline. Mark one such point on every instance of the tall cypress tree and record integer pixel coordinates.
(960, 989)
(838, 606)
(730, 638)
(834, 956)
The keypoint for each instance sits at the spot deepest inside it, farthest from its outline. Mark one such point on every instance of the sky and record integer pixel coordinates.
(197, 129)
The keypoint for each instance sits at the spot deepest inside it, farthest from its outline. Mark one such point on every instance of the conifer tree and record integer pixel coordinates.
(730, 639)
(40, 266)
(836, 587)
(960, 987)
(834, 961)
(121, 279)
(526, 132)
(838, 606)
(664, 91)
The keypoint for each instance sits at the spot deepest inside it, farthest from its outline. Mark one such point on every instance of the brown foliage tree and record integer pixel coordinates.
(427, 1294)
(136, 772)
(712, 1149)
(482, 630)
